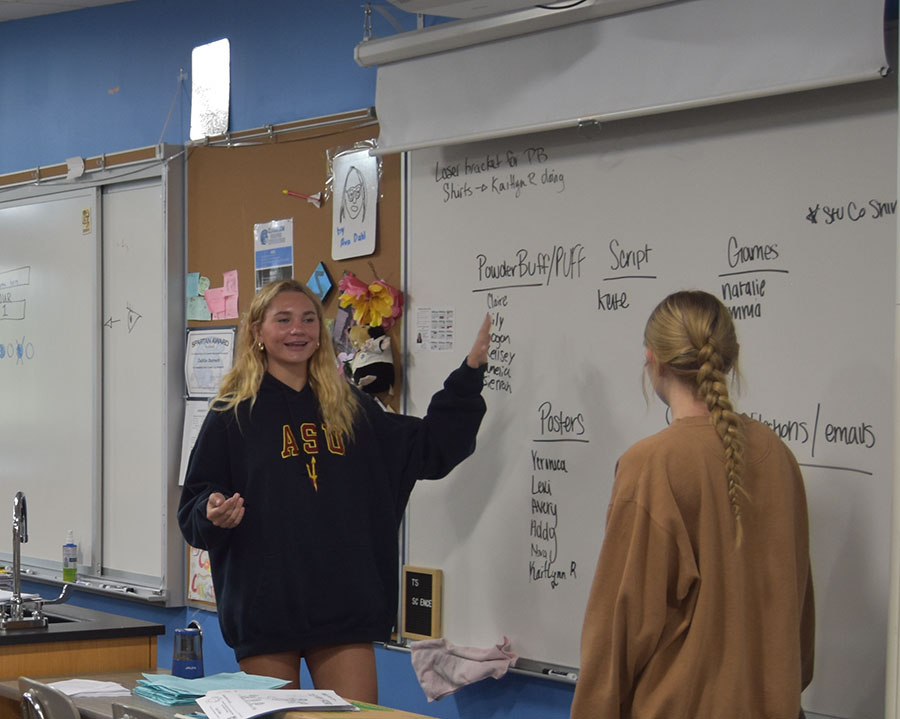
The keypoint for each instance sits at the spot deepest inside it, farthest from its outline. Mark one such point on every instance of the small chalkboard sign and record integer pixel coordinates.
(421, 603)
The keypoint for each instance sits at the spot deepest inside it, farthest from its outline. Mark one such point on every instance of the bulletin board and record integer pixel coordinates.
(236, 182)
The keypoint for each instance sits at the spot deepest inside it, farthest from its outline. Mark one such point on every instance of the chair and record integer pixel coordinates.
(120, 711)
(41, 701)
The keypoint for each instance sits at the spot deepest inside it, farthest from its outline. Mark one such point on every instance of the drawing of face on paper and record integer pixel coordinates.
(353, 203)
(355, 200)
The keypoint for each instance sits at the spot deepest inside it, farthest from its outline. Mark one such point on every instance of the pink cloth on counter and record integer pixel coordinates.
(443, 668)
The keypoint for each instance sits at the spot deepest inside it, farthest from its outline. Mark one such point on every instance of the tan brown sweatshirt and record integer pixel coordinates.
(680, 622)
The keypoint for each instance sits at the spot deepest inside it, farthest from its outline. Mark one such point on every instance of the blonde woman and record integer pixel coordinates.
(702, 601)
(296, 486)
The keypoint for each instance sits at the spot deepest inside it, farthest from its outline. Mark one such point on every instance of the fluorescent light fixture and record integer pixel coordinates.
(463, 33)
(210, 89)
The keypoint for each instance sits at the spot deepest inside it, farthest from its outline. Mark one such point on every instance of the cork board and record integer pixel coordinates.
(237, 182)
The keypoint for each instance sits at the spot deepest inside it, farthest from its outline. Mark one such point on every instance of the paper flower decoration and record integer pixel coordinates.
(377, 304)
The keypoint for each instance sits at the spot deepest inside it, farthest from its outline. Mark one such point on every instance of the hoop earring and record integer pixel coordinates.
(260, 346)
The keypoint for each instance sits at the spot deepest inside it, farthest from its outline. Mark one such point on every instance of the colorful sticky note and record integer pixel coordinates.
(192, 286)
(231, 282)
(215, 300)
(197, 309)
(231, 306)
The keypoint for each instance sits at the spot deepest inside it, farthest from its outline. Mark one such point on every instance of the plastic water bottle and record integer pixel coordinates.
(70, 558)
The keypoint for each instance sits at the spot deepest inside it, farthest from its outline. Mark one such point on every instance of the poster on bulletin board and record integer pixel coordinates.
(355, 203)
(200, 592)
(273, 251)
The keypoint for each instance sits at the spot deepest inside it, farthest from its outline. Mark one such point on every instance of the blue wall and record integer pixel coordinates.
(105, 79)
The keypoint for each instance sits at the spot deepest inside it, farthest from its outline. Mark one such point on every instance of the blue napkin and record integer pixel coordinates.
(168, 690)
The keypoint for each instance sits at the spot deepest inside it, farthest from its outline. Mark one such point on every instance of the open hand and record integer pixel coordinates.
(479, 353)
(225, 513)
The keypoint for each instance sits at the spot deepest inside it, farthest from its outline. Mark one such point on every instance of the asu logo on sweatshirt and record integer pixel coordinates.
(310, 442)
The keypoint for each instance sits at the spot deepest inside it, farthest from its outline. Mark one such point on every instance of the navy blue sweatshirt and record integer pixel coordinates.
(314, 562)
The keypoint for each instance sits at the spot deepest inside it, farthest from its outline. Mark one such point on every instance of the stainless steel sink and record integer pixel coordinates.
(55, 619)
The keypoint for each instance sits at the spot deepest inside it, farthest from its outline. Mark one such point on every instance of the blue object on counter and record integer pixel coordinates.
(187, 652)
(169, 690)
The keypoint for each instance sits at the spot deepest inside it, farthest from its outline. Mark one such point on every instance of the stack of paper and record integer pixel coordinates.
(91, 688)
(169, 690)
(241, 704)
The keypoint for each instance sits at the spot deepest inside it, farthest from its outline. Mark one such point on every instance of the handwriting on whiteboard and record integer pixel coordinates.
(10, 307)
(499, 174)
(851, 211)
(549, 467)
(541, 267)
(820, 427)
(742, 286)
(16, 351)
(499, 374)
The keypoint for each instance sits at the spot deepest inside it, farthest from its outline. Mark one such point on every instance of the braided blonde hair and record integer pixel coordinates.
(692, 333)
(337, 403)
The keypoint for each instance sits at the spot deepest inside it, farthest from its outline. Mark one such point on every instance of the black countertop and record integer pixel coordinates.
(70, 623)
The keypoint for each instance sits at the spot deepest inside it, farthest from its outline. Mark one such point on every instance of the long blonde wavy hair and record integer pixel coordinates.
(337, 402)
(692, 334)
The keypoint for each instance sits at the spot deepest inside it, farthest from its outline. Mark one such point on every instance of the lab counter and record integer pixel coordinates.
(77, 640)
(70, 623)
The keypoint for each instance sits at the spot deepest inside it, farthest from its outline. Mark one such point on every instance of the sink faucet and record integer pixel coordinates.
(20, 534)
(16, 606)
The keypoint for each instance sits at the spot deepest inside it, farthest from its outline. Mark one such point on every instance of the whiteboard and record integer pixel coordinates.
(134, 389)
(101, 271)
(49, 349)
(783, 207)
